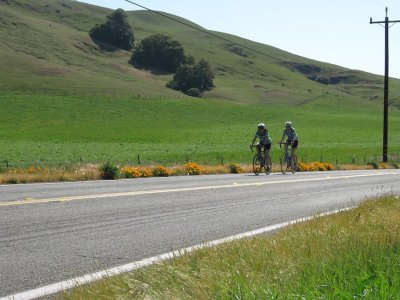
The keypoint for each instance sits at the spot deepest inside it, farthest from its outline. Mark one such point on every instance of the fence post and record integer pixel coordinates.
(138, 159)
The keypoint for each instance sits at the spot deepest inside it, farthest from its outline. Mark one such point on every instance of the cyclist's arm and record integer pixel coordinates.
(283, 136)
(269, 139)
(294, 135)
(254, 139)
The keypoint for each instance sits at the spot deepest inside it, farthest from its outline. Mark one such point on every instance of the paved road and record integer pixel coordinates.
(54, 232)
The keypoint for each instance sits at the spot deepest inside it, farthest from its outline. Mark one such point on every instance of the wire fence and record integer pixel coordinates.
(85, 92)
(140, 160)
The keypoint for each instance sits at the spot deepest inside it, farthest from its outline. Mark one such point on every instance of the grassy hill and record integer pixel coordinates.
(45, 45)
(63, 98)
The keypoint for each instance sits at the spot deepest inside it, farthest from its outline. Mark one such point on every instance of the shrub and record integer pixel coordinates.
(159, 53)
(193, 92)
(235, 169)
(109, 171)
(373, 163)
(198, 76)
(161, 171)
(192, 169)
(12, 180)
(116, 31)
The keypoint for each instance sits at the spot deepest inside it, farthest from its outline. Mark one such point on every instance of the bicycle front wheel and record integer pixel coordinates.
(268, 167)
(294, 164)
(256, 165)
(284, 163)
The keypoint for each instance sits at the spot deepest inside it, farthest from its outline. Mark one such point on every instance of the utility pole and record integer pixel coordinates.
(386, 84)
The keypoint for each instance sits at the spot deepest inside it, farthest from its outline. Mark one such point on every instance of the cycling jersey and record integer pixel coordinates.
(264, 137)
(290, 133)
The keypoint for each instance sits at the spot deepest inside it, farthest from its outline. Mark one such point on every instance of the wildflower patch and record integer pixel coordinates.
(315, 166)
(193, 169)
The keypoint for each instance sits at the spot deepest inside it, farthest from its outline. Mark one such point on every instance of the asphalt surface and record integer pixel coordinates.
(57, 231)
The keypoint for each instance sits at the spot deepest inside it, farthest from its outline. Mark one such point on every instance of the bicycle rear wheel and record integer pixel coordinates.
(256, 165)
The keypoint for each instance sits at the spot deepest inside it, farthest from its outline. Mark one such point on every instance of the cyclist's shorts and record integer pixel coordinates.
(266, 146)
(295, 144)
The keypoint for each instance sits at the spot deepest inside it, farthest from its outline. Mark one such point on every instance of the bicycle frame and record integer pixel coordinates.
(287, 162)
(259, 163)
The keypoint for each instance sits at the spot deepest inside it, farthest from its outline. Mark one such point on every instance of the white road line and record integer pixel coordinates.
(74, 282)
(211, 187)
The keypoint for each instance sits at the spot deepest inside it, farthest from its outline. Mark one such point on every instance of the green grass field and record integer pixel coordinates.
(57, 130)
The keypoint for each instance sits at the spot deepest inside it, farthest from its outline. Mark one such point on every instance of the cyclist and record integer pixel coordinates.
(292, 139)
(265, 142)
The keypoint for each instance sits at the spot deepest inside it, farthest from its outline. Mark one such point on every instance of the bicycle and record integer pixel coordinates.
(259, 163)
(286, 161)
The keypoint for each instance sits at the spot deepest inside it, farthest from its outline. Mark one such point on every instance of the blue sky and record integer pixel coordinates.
(333, 31)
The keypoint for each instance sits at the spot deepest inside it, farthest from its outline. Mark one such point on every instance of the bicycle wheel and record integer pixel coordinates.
(294, 165)
(268, 167)
(256, 164)
(284, 163)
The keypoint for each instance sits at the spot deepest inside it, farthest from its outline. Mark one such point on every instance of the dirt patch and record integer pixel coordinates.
(132, 71)
(54, 71)
(324, 76)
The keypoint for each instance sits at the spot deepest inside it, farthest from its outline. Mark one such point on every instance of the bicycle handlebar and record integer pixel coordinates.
(284, 143)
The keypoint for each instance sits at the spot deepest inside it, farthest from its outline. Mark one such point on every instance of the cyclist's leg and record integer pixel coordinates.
(264, 156)
(293, 155)
(259, 152)
(258, 147)
(287, 157)
(267, 155)
(286, 145)
(294, 148)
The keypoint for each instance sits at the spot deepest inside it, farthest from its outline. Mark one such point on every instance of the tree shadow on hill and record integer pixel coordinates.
(154, 71)
(105, 46)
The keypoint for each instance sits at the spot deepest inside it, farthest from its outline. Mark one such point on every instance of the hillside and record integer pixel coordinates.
(66, 101)
(46, 49)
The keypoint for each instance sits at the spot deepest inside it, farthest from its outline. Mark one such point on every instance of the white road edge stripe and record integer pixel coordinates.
(74, 282)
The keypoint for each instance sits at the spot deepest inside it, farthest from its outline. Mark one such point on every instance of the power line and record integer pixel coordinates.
(204, 31)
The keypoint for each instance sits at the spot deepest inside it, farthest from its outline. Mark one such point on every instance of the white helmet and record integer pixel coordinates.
(288, 124)
(261, 125)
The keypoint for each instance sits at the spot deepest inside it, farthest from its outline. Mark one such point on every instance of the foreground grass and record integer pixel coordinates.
(350, 255)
